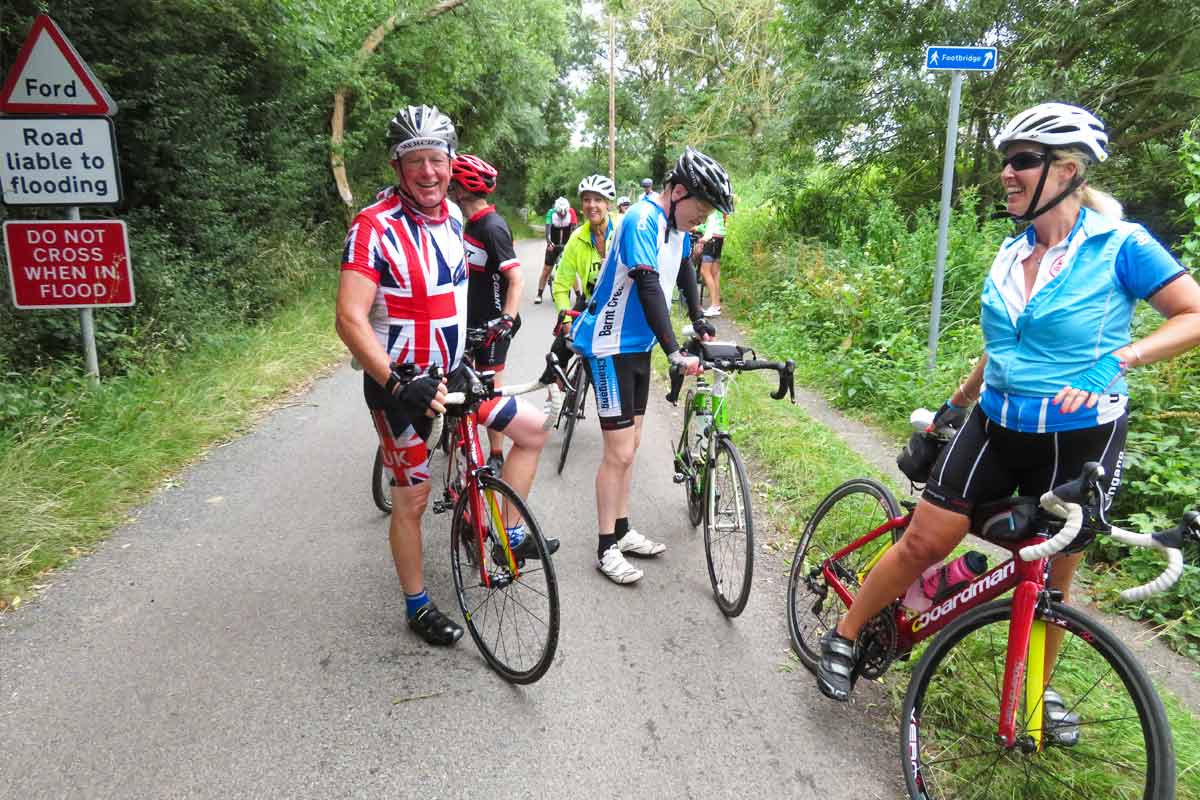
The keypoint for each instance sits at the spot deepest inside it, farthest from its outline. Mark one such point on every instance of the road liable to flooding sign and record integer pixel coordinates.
(67, 264)
(58, 161)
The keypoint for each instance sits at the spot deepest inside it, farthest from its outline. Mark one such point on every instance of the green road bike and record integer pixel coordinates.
(710, 468)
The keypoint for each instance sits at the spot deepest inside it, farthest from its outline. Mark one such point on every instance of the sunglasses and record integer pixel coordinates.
(1026, 159)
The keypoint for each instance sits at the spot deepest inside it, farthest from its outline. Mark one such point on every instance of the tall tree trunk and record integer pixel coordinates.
(337, 121)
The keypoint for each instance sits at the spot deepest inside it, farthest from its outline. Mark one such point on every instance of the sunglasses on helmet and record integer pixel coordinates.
(1026, 159)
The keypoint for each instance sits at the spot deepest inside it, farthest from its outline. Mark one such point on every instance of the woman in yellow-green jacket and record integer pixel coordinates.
(582, 257)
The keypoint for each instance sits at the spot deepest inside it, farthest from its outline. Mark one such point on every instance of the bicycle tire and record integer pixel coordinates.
(728, 550)
(381, 484)
(1096, 675)
(851, 510)
(689, 464)
(506, 607)
(572, 407)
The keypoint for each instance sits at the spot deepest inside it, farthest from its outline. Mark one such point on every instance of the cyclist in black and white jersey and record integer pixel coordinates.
(560, 222)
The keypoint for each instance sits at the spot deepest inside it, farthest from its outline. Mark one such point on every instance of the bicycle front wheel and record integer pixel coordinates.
(853, 509)
(514, 617)
(950, 718)
(381, 483)
(729, 529)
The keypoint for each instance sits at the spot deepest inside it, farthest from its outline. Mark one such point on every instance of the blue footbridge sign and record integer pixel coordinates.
(968, 59)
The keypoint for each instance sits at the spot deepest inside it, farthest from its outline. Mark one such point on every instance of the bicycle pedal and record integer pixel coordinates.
(441, 506)
(679, 477)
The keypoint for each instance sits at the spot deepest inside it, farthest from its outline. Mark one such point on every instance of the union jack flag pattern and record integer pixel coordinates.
(419, 314)
(418, 263)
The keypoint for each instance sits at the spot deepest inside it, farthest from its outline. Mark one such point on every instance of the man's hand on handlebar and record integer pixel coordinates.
(500, 329)
(414, 396)
(704, 329)
(688, 365)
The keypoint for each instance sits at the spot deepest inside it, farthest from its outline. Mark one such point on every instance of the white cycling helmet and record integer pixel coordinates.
(622, 201)
(561, 205)
(600, 184)
(1057, 125)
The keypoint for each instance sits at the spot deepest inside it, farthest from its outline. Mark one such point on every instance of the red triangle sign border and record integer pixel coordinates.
(101, 105)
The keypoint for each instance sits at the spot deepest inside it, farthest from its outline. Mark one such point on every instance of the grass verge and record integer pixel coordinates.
(67, 483)
(798, 461)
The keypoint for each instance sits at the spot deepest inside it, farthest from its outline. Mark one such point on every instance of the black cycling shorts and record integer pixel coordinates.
(987, 462)
(401, 438)
(622, 387)
(712, 248)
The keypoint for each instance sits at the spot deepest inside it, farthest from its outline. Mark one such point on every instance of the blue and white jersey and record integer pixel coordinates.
(615, 321)
(1080, 309)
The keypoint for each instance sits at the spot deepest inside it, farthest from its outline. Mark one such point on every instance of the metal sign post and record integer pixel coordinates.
(955, 60)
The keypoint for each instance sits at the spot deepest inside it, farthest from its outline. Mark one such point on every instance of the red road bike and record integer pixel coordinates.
(973, 722)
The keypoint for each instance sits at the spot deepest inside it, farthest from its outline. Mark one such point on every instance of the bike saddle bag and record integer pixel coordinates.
(918, 456)
(1010, 519)
(721, 351)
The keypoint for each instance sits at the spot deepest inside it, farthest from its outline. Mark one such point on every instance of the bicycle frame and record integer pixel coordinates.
(483, 503)
(1025, 658)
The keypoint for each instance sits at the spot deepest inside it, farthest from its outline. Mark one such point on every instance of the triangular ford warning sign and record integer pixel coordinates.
(49, 77)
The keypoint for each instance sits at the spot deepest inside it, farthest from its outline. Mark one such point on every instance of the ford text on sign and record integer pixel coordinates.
(58, 161)
(67, 264)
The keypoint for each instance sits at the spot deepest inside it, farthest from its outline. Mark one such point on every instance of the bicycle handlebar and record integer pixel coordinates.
(785, 369)
(481, 388)
(1068, 501)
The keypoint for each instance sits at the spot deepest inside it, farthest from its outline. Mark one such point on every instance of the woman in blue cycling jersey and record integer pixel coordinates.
(1055, 311)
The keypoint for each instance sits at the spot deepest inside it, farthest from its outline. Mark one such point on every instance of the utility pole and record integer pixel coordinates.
(612, 100)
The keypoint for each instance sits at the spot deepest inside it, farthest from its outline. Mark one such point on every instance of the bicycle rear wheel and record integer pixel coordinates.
(572, 409)
(514, 620)
(851, 510)
(950, 718)
(381, 483)
(729, 529)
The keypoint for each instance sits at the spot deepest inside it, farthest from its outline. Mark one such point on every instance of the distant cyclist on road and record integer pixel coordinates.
(560, 221)
(647, 188)
(401, 309)
(581, 260)
(627, 315)
(495, 277)
(713, 241)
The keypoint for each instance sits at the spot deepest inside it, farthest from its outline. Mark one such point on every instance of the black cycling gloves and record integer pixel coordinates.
(950, 416)
(411, 394)
(703, 327)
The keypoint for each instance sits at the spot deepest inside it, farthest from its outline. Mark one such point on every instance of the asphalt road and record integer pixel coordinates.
(244, 636)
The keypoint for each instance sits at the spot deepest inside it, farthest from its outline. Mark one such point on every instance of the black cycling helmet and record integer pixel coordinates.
(703, 177)
(419, 127)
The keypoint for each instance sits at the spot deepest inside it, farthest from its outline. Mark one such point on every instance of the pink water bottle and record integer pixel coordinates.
(942, 580)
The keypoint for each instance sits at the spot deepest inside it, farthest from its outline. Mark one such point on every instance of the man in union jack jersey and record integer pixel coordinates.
(401, 309)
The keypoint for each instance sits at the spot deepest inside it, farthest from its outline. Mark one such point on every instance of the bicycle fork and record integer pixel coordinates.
(1025, 663)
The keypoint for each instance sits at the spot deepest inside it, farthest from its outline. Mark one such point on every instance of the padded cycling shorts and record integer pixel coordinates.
(621, 383)
(987, 462)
